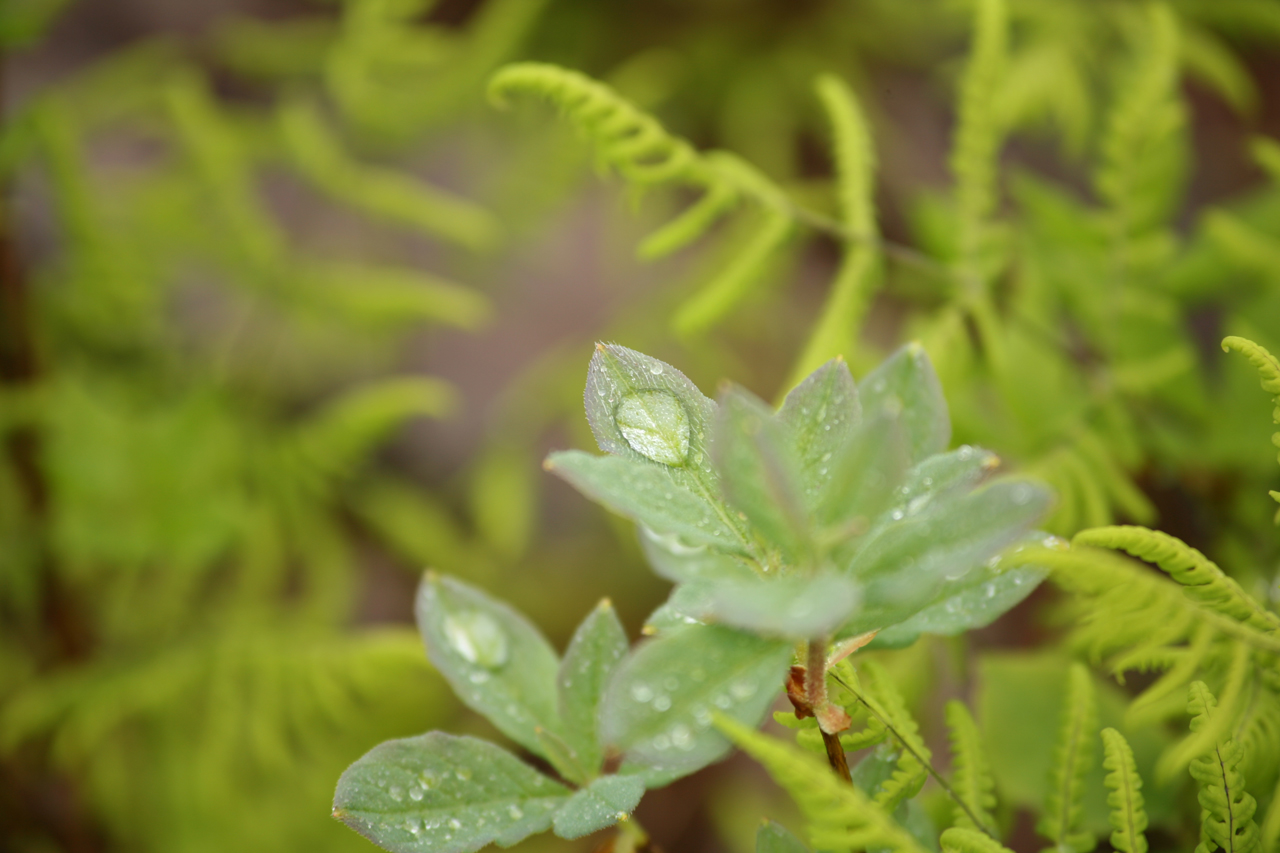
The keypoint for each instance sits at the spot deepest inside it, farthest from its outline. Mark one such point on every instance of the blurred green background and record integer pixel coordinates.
(291, 312)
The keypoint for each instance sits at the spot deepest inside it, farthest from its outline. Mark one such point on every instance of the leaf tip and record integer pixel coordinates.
(606, 603)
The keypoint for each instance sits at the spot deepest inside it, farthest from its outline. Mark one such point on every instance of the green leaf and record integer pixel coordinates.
(820, 415)
(659, 706)
(758, 471)
(905, 385)
(495, 660)
(438, 793)
(1226, 807)
(865, 476)
(1128, 817)
(676, 561)
(595, 650)
(646, 494)
(646, 410)
(794, 606)
(1063, 814)
(971, 771)
(906, 562)
(603, 803)
(987, 596)
(775, 838)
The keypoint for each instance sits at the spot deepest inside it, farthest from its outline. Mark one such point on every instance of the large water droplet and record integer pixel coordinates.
(477, 637)
(656, 426)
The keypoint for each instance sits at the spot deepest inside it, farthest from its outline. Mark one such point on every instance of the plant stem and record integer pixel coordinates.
(633, 839)
(815, 693)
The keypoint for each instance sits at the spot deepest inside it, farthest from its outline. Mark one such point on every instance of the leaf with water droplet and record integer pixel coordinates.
(759, 471)
(983, 597)
(795, 606)
(658, 706)
(906, 561)
(820, 415)
(679, 561)
(647, 494)
(906, 385)
(497, 662)
(594, 652)
(455, 812)
(775, 838)
(866, 475)
(599, 805)
(655, 425)
(643, 409)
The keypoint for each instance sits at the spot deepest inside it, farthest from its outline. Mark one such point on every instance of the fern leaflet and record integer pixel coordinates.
(1226, 809)
(960, 840)
(840, 817)
(971, 772)
(1269, 371)
(1072, 757)
(1128, 816)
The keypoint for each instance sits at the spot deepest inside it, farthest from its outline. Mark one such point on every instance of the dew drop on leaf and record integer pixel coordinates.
(477, 638)
(656, 426)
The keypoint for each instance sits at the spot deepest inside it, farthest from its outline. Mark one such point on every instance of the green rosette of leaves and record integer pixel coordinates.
(840, 515)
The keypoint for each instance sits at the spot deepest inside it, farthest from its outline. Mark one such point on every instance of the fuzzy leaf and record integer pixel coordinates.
(643, 409)
(865, 475)
(906, 386)
(758, 471)
(979, 603)
(775, 838)
(820, 415)
(594, 652)
(603, 803)
(795, 606)
(438, 793)
(677, 561)
(497, 662)
(906, 562)
(647, 494)
(659, 705)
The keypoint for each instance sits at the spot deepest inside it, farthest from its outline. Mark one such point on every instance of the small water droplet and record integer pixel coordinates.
(989, 590)
(514, 812)
(454, 823)
(477, 638)
(656, 369)
(670, 682)
(656, 426)
(397, 793)
(464, 775)
(415, 794)
(681, 737)
(917, 503)
(1021, 494)
(897, 515)
(641, 692)
(723, 701)
(662, 703)
(702, 716)
(743, 689)
(478, 677)
(661, 743)
(412, 825)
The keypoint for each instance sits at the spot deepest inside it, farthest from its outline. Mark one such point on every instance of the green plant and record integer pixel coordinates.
(793, 537)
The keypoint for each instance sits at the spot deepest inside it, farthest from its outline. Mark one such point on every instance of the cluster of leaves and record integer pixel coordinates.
(834, 518)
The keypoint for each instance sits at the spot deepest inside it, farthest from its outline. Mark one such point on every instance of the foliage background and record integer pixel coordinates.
(246, 231)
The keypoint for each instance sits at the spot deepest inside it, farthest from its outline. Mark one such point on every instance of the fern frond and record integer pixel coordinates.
(840, 817)
(841, 316)
(319, 156)
(885, 702)
(1072, 758)
(1227, 809)
(1128, 815)
(1215, 727)
(1269, 371)
(1133, 181)
(971, 771)
(975, 151)
(961, 840)
(1269, 835)
(636, 145)
(1202, 579)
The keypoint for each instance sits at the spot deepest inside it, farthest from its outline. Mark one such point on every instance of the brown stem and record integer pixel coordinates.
(836, 757)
